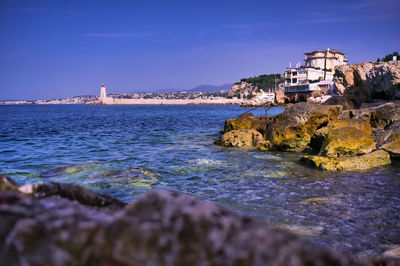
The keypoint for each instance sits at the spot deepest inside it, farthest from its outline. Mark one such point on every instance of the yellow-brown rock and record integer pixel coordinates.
(362, 162)
(348, 138)
(247, 121)
(392, 145)
(263, 145)
(242, 138)
(292, 130)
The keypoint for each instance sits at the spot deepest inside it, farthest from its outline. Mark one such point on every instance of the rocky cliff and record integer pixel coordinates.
(368, 82)
(242, 90)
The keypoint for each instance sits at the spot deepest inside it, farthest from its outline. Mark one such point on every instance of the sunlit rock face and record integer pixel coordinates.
(292, 130)
(348, 138)
(248, 121)
(159, 228)
(368, 81)
(242, 138)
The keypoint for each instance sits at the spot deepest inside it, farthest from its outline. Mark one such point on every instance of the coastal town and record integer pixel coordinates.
(200, 133)
(312, 81)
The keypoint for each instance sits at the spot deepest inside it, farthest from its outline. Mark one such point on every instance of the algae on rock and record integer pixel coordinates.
(247, 121)
(348, 138)
(242, 138)
(362, 162)
(292, 130)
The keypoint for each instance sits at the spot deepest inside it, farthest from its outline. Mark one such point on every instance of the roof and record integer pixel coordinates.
(323, 51)
(315, 57)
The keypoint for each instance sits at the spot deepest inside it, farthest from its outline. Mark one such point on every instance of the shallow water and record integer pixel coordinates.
(126, 150)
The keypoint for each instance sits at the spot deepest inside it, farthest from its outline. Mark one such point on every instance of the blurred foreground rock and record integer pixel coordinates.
(159, 228)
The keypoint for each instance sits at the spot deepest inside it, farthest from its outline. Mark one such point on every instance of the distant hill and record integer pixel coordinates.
(206, 87)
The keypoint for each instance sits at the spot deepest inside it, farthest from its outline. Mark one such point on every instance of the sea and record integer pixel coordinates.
(125, 151)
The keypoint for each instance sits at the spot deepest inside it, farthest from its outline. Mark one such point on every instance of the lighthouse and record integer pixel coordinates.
(103, 99)
(103, 94)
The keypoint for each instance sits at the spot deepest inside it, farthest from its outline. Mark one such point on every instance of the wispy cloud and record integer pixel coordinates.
(328, 20)
(112, 35)
(27, 10)
(362, 4)
(377, 17)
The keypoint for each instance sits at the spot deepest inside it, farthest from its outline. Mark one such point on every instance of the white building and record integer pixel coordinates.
(103, 99)
(265, 96)
(325, 59)
(316, 74)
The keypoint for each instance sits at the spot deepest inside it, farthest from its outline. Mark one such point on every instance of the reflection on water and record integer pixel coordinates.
(126, 150)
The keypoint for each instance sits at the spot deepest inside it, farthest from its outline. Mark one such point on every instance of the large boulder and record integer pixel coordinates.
(292, 130)
(242, 138)
(159, 228)
(368, 81)
(348, 138)
(340, 100)
(383, 115)
(381, 135)
(392, 145)
(247, 121)
(375, 159)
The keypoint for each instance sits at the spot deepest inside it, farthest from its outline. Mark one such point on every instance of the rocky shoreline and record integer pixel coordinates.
(331, 138)
(62, 224)
(356, 130)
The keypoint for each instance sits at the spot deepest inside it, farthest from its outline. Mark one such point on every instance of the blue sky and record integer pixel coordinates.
(56, 49)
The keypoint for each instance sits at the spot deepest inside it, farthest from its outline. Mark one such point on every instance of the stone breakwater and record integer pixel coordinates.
(61, 224)
(217, 101)
(332, 138)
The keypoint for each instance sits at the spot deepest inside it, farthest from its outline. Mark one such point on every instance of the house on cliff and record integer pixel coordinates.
(315, 77)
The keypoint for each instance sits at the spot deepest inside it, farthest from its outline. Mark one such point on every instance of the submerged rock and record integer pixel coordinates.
(292, 130)
(374, 159)
(392, 253)
(71, 192)
(333, 199)
(159, 228)
(348, 138)
(242, 138)
(307, 231)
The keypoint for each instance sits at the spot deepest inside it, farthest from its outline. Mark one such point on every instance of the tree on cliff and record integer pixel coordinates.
(264, 82)
(389, 57)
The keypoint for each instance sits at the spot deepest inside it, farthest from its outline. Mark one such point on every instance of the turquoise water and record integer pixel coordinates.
(127, 150)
